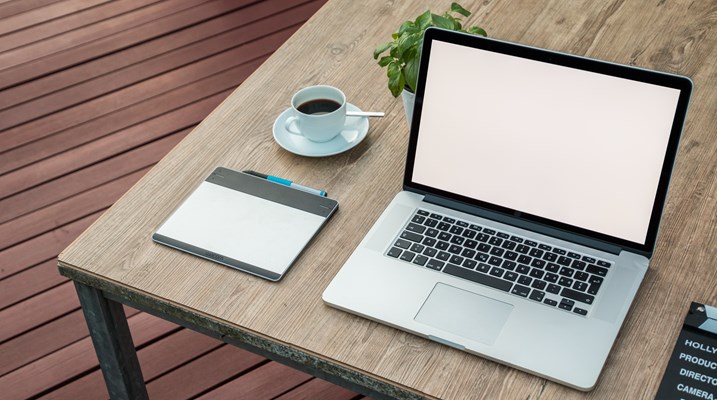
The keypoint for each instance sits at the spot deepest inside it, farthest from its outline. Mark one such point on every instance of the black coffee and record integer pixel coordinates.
(319, 106)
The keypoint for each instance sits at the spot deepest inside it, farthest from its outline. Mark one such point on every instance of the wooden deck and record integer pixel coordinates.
(92, 94)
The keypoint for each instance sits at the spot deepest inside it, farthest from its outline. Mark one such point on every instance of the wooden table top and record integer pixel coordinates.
(335, 48)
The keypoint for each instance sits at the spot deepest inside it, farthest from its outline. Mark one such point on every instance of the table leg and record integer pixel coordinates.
(113, 344)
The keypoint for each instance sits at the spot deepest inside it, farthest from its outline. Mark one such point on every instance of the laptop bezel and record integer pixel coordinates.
(540, 224)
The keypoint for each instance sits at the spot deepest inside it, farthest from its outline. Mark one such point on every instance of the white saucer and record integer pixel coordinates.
(354, 132)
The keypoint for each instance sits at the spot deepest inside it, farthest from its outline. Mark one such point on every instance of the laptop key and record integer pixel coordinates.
(538, 263)
(551, 277)
(497, 272)
(497, 251)
(432, 232)
(469, 233)
(476, 228)
(456, 230)
(523, 269)
(503, 235)
(415, 228)
(482, 257)
(458, 240)
(489, 231)
(510, 255)
(495, 261)
(559, 251)
(423, 212)
(564, 261)
(407, 256)
(520, 290)
(511, 276)
(449, 220)
(573, 255)
(578, 310)
(566, 304)
(483, 267)
(431, 223)
(509, 244)
(531, 243)
(471, 264)
(435, 264)
(443, 256)
(593, 289)
(554, 289)
(523, 249)
(420, 260)
(589, 260)
(418, 219)
(580, 286)
(412, 236)
(455, 249)
(550, 302)
(552, 267)
(483, 247)
(594, 269)
(536, 253)
(436, 216)
(536, 273)
(604, 264)
(550, 257)
(456, 260)
(468, 253)
(565, 271)
(495, 241)
(538, 284)
(430, 252)
(582, 276)
(524, 259)
(482, 237)
(404, 244)
(564, 281)
(394, 252)
(442, 245)
(444, 236)
(444, 226)
(510, 265)
(417, 248)
(544, 247)
(429, 241)
(462, 224)
(537, 295)
(577, 264)
(578, 296)
(484, 279)
(524, 280)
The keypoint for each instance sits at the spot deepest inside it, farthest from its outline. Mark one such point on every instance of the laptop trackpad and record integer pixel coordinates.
(464, 313)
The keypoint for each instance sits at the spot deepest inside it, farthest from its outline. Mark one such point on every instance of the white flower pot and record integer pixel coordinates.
(408, 98)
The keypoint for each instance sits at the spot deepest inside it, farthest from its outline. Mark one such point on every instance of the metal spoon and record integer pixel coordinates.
(364, 114)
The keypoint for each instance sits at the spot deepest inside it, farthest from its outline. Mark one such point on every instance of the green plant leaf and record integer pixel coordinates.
(380, 49)
(384, 61)
(455, 7)
(406, 44)
(443, 22)
(424, 21)
(407, 27)
(411, 72)
(478, 31)
(396, 80)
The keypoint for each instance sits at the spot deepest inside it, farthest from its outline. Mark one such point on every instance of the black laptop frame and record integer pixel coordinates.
(534, 222)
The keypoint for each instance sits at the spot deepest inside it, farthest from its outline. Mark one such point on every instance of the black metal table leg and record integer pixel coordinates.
(113, 344)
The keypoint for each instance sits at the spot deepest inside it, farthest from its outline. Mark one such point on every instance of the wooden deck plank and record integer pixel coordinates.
(123, 109)
(87, 178)
(36, 311)
(25, 284)
(260, 383)
(122, 58)
(70, 22)
(24, 66)
(14, 7)
(62, 47)
(151, 67)
(59, 171)
(46, 13)
(207, 371)
(45, 339)
(68, 210)
(156, 359)
(318, 389)
(75, 359)
(42, 248)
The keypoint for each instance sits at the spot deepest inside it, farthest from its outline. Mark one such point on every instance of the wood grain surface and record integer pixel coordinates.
(334, 48)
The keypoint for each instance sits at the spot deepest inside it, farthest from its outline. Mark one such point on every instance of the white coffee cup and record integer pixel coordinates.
(319, 113)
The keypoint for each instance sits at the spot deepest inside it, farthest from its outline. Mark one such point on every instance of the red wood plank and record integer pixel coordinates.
(73, 21)
(45, 340)
(36, 311)
(318, 389)
(205, 372)
(155, 359)
(87, 178)
(266, 382)
(42, 248)
(68, 210)
(25, 284)
(47, 13)
(75, 359)
(89, 89)
(18, 6)
(218, 72)
(24, 66)
(57, 45)
(117, 60)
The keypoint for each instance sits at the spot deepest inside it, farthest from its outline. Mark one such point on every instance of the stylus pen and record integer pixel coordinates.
(288, 183)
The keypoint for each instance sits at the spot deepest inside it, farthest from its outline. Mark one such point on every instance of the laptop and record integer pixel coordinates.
(533, 189)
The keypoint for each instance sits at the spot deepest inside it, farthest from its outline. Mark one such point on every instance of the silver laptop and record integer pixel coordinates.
(533, 190)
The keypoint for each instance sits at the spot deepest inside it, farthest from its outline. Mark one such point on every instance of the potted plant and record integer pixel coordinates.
(404, 51)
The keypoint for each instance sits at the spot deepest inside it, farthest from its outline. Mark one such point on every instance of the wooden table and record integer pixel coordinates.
(115, 261)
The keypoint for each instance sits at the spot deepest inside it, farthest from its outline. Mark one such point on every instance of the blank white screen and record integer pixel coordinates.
(568, 145)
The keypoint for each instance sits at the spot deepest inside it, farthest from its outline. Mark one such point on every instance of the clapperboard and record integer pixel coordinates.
(692, 370)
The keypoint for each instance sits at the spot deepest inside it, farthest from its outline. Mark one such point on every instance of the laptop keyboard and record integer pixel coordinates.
(543, 273)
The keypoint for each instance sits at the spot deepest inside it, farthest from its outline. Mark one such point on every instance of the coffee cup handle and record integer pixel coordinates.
(291, 125)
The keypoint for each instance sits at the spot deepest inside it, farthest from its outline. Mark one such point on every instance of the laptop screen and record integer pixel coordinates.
(573, 146)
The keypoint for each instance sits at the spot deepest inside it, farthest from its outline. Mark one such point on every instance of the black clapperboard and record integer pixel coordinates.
(692, 370)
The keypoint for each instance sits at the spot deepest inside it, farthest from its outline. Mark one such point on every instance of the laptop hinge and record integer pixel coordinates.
(519, 223)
